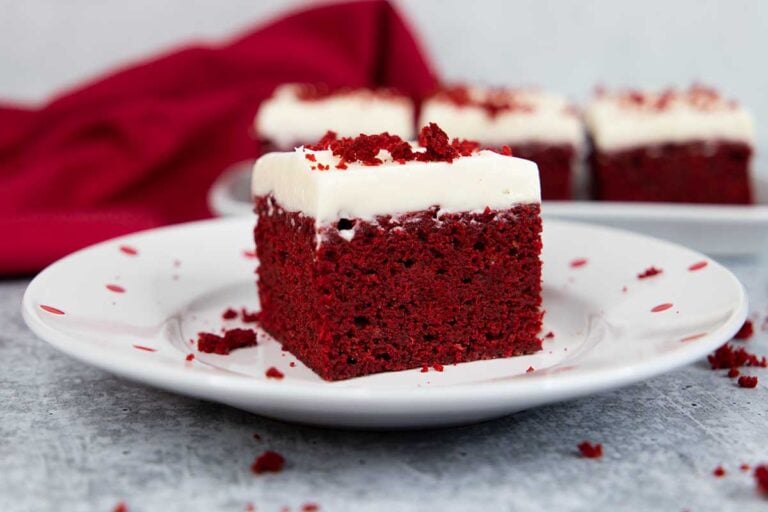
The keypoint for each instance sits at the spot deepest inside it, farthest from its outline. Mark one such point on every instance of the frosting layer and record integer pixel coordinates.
(625, 120)
(468, 184)
(505, 116)
(288, 119)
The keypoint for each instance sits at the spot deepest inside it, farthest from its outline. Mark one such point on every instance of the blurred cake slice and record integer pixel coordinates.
(680, 146)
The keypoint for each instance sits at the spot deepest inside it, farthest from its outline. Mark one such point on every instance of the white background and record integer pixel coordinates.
(569, 46)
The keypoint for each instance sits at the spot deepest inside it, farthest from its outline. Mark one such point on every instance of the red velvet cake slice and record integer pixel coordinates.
(674, 146)
(299, 114)
(536, 125)
(378, 255)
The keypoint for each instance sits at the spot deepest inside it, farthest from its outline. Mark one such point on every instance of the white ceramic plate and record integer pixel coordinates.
(713, 229)
(132, 305)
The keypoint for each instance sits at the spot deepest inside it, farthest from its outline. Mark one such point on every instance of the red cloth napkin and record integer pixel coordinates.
(141, 147)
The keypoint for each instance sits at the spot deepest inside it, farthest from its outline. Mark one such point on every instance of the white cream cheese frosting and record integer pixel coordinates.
(624, 120)
(537, 117)
(468, 184)
(286, 119)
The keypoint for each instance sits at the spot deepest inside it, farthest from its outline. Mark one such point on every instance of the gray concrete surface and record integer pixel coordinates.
(73, 438)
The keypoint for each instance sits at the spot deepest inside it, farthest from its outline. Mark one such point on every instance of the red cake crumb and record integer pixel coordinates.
(190, 357)
(747, 381)
(719, 472)
(268, 462)
(274, 373)
(549, 335)
(231, 340)
(229, 314)
(424, 368)
(746, 331)
(733, 373)
(257, 437)
(250, 507)
(310, 507)
(249, 317)
(761, 478)
(591, 451)
(438, 367)
(120, 507)
(744, 468)
(530, 369)
(649, 272)
(292, 364)
(310, 157)
(727, 357)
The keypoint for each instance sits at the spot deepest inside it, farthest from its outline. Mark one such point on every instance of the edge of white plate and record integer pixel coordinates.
(207, 385)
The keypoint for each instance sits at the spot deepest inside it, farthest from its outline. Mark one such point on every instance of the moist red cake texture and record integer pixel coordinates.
(425, 288)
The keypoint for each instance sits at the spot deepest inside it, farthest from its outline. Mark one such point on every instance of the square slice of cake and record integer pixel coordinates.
(377, 254)
(298, 114)
(536, 125)
(688, 146)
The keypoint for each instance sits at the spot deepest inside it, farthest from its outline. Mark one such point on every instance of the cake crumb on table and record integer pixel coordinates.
(590, 451)
(268, 462)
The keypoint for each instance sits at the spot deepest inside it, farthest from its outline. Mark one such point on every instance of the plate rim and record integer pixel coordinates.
(185, 380)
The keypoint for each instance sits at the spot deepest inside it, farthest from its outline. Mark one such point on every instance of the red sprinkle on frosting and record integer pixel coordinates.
(127, 249)
(248, 253)
(649, 272)
(530, 369)
(494, 101)
(232, 339)
(719, 472)
(310, 507)
(190, 357)
(52, 310)
(365, 148)
(591, 451)
(694, 336)
(578, 262)
(274, 373)
(146, 349)
(115, 288)
(746, 331)
(268, 462)
(661, 307)
(698, 266)
(747, 381)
